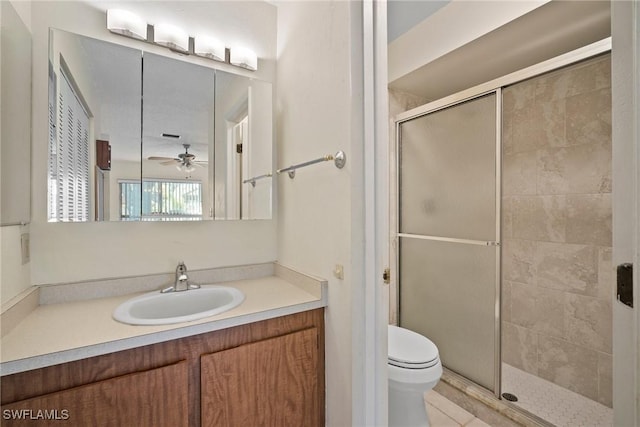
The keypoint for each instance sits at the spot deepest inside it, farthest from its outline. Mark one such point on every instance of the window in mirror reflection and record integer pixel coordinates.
(161, 200)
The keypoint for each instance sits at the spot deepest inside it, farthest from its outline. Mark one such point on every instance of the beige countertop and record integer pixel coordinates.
(63, 332)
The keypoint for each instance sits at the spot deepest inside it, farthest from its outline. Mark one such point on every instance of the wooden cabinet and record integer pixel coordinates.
(103, 154)
(268, 383)
(268, 373)
(153, 398)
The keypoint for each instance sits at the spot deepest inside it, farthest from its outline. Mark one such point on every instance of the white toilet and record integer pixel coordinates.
(414, 368)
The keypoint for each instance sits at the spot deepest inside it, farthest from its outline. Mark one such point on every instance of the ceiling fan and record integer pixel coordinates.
(184, 162)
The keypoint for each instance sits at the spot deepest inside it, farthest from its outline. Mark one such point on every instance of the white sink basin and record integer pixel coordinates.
(156, 308)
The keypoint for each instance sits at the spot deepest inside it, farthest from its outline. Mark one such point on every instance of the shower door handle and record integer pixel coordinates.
(624, 285)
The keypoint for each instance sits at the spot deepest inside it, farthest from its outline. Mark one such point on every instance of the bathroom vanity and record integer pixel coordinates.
(248, 366)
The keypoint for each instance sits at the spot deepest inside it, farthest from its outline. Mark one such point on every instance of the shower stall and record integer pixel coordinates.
(504, 234)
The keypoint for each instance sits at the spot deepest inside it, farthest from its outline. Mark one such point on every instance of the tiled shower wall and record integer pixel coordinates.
(557, 277)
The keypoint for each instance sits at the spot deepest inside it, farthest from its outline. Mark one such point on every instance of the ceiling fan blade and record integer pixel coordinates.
(170, 162)
(199, 164)
(160, 158)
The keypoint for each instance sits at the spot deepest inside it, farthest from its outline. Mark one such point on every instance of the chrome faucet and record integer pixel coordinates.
(182, 280)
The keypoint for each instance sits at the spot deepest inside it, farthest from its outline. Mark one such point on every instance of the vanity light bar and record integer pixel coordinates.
(243, 57)
(128, 24)
(172, 37)
(209, 47)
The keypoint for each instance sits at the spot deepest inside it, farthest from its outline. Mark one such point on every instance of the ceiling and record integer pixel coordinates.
(548, 31)
(402, 15)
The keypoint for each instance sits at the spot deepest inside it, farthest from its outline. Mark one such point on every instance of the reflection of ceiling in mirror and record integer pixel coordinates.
(116, 80)
(178, 99)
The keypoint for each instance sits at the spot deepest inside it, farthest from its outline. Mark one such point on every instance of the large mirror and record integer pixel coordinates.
(135, 136)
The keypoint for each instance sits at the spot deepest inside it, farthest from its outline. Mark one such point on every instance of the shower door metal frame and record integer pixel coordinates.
(496, 85)
(498, 194)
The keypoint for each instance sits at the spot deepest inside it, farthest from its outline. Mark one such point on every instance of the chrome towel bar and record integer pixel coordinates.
(255, 178)
(339, 159)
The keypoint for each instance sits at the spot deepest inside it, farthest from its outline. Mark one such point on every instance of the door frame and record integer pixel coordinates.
(370, 379)
(625, 86)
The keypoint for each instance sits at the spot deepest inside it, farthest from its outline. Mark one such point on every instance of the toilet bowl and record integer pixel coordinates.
(414, 367)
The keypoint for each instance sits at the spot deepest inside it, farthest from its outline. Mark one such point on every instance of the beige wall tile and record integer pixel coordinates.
(507, 218)
(580, 78)
(519, 172)
(553, 123)
(539, 218)
(552, 86)
(605, 379)
(526, 132)
(590, 75)
(518, 258)
(507, 131)
(589, 219)
(505, 301)
(578, 169)
(589, 322)
(606, 274)
(549, 307)
(557, 271)
(523, 305)
(519, 347)
(519, 95)
(589, 118)
(571, 268)
(568, 365)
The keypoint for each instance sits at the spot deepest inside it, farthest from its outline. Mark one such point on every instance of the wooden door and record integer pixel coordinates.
(273, 382)
(153, 398)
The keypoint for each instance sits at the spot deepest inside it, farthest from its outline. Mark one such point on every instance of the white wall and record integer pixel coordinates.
(15, 276)
(75, 252)
(451, 27)
(319, 104)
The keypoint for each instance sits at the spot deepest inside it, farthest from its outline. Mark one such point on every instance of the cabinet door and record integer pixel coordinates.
(267, 383)
(153, 398)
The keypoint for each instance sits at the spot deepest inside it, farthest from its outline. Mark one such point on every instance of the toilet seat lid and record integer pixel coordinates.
(408, 349)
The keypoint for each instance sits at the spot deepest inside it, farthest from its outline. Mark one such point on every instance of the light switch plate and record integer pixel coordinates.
(25, 248)
(338, 272)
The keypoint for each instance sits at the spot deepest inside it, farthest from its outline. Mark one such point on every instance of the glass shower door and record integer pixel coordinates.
(449, 234)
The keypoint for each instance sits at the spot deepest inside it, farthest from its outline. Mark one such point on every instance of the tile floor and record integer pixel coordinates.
(553, 403)
(444, 413)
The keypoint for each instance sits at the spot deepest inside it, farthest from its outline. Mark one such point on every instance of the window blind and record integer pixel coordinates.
(68, 157)
(160, 200)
